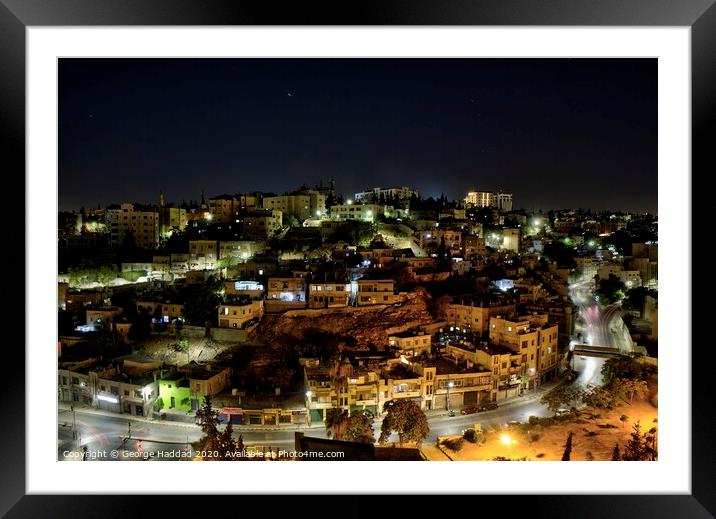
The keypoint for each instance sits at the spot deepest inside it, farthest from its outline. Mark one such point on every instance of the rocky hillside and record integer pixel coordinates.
(365, 325)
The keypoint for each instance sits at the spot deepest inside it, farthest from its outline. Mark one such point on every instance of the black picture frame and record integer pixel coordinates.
(16, 15)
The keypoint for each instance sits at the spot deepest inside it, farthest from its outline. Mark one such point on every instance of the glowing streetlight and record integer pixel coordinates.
(209, 217)
(318, 213)
(350, 202)
(506, 439)
(447, 404)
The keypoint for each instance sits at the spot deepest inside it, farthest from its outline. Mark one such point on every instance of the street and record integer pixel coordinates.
(104, 433)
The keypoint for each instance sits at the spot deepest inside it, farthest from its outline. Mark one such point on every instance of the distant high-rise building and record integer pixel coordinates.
(504, 202)
(481, 199)
(375, 194)
(500, 200)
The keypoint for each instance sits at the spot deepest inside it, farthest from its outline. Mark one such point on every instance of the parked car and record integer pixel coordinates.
(562, 411)
(469, 410)
(488, 407)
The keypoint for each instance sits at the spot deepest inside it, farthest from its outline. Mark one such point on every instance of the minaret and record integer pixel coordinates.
(161, 199)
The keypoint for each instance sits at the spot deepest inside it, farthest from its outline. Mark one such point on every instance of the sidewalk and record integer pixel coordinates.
(529, 396)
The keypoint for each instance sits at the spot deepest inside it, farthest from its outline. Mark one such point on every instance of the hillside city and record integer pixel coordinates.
(380, 325)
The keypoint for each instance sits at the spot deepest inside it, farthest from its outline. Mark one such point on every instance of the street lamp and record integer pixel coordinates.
(506, 439)
(447, 404)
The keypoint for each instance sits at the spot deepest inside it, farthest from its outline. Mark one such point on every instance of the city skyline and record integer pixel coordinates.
(555, 132)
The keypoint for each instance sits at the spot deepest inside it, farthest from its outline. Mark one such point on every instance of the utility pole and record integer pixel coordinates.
(74, 423)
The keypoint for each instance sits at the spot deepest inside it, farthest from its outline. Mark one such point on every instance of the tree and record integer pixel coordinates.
(201, 302)
(141, 328)
(625, 367)
(405, 418)
(599, 397)
(635, 297)
(610, 290)
(208, 419)
(650, 444)
(616, 456)
(336, 423)
(627, 389)
(359, 428)
(567, 448)
(623, 419)
(178, 242)
(220, 443)
(636, 449)
(241, 448)
(561, 396)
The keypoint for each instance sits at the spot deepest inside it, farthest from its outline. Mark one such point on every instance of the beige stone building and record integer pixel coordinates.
(203, 254)
(141, 221)
(261, 224)
(301, 205)
(376, 292)
(411, 343)
(328, 295)
(287, 289)
(475, 315)
(237, 316)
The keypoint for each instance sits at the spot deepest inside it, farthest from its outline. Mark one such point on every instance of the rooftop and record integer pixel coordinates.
(487, 347)
(445, 367)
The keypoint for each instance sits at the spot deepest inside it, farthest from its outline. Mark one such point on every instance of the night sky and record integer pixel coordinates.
(555, 132)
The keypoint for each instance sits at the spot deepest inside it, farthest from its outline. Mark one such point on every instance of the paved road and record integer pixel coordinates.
(103, 434)
(599, 326)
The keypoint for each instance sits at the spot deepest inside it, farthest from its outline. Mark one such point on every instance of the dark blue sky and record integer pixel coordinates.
(555, 132)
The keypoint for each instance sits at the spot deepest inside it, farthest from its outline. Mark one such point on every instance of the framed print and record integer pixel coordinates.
(404, 234)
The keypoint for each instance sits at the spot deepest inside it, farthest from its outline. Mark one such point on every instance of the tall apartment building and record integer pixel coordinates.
(141, 221)
(481, 199)
(500, 200)
(504, 202)
(171, 217)
(532, 337)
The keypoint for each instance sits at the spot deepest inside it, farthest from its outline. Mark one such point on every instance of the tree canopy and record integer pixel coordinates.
(406, 419)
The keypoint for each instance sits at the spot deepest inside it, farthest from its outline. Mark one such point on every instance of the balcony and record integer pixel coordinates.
(406, 394)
